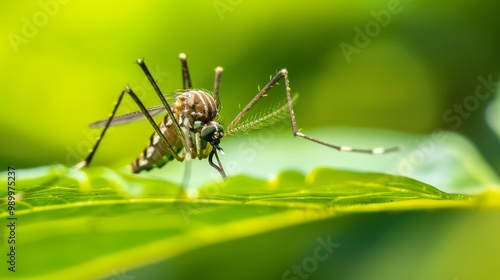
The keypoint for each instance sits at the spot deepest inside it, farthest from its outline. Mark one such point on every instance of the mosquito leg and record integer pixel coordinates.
(259, 95)
(186, 79)
(127, 90)
(284, 74)
(190, 152)
(186, 84)
(153, 123)
(186, 176)
(178, 130)
(91, 154)
(218, 73)
(197, 141)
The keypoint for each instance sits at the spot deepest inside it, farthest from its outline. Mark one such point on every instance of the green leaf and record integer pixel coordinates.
(443, 159)
(75, 224)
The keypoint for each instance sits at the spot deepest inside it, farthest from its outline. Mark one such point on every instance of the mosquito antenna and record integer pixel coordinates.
(218, 73)
(186, 79)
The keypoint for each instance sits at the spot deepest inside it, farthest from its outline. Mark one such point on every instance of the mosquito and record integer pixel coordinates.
(191, 127)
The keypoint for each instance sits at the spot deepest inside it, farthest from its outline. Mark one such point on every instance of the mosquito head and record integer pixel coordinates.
(212, 133)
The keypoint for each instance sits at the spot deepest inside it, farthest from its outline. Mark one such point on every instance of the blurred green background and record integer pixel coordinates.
(397, 65)
(65, 62)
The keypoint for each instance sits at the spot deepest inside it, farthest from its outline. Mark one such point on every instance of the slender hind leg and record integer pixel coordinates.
(284, 74)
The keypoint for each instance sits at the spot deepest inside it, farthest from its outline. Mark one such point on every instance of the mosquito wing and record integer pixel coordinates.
(130, 117)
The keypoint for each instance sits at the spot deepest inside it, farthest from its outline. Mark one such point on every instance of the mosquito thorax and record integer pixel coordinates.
(212, 133)
(197, 104)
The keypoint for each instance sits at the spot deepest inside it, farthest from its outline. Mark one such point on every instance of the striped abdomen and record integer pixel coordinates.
(190, 106)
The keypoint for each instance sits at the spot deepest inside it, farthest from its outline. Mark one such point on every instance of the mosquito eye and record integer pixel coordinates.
(212, 132)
